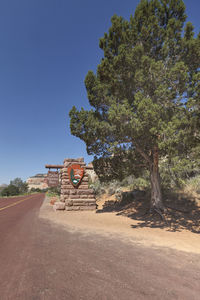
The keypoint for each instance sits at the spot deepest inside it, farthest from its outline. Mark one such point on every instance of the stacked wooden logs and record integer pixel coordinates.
(80, 197)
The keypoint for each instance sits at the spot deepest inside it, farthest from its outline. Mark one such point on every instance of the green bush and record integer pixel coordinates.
(37, 190)
(98, 187)
(53, 191)
(128, 181)
(176, 172)
(10, 190)
(140, 184)
(193, 184)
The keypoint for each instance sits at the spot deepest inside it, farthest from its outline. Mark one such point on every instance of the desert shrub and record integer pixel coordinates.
(111, 191)
(37, 190)
(193, 184)
(98, 187)
(128, 180)
(118, 194)
(176, 172)
(115, 186)
(112, 187)
(54, 191)
(140, 184)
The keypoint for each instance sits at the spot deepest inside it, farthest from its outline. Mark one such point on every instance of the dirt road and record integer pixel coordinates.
(40, 260)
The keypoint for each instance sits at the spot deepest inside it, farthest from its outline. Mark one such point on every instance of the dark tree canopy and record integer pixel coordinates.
(10, 190)
(145, 93)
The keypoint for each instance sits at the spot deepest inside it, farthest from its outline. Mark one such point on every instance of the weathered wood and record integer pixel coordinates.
(54, 166)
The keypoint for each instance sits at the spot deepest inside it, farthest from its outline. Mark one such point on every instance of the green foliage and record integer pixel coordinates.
(10, 190)
(21, 185)
(37, 190)
(116, 186)
(136, 183)
(97, 187)
(128, 181)
(53, 191)
(193, 184)
(16, 187)
(140, 184)
(3, 186)
(178, 169)
(145, 93)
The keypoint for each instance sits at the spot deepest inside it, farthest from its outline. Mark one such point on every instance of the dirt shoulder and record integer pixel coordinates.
(113, 225)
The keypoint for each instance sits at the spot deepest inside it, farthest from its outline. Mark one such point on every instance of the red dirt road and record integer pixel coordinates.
(41, 261)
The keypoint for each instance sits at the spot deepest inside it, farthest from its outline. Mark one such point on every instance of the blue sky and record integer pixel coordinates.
(46, 50)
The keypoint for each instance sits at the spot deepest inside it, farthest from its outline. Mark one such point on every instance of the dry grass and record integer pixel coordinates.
(125, 221)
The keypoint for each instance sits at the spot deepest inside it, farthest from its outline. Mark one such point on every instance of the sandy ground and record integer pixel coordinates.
(112, 225)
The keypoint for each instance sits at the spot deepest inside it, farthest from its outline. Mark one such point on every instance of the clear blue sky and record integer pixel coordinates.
(46, 50)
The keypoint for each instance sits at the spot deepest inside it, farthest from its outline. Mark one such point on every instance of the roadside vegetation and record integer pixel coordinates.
(144, 120)
(130, 198)
(188, 185)
(16, 187)
(53, 191)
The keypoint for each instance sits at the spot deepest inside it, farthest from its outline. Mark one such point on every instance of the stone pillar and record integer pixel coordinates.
(80, 197)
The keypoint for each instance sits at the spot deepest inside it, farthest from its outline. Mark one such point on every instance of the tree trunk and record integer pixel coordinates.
(156, 194)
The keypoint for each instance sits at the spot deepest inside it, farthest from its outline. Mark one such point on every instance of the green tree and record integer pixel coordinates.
(10, 190)
(144, 94)
(20, 184)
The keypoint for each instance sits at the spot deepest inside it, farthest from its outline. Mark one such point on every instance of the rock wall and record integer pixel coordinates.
(80, 197)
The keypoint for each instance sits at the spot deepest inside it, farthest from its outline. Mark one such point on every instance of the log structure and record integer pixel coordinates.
(54, 167)
(78, 197)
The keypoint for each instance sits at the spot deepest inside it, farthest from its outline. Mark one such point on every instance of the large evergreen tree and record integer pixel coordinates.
(145, 93)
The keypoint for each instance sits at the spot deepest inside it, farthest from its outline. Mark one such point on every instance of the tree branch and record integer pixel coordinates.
(142, 153)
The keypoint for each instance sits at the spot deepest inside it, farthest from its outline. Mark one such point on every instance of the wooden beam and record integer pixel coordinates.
(54, 166)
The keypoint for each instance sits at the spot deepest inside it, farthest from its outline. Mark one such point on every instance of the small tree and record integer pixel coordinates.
(21, 185)
(143, 94)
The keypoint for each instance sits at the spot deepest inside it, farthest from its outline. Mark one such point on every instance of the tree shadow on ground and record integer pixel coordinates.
(182, 211)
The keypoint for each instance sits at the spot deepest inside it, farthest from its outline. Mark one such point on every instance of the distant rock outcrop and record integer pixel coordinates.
(39, 181)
